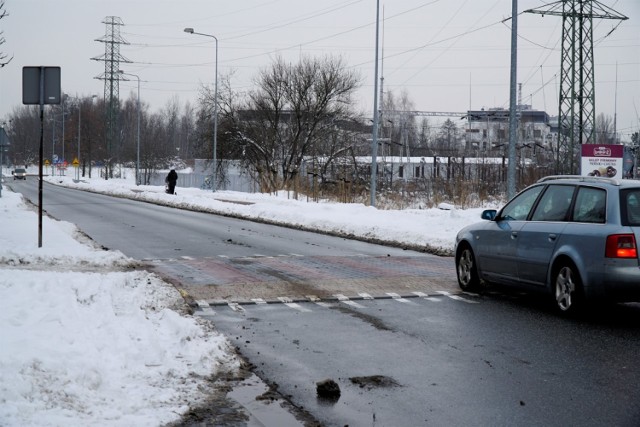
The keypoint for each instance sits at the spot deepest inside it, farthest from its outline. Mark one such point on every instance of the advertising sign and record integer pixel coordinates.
(602, 160)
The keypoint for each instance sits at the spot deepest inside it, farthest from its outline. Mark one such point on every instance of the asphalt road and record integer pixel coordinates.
(495, 360)
(436, 357)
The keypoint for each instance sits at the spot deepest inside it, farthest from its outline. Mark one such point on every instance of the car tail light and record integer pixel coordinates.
(621, 246)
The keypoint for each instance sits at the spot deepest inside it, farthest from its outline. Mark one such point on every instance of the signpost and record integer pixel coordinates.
(3, 144)
(602, 160)
(76, 164)
(41, 85)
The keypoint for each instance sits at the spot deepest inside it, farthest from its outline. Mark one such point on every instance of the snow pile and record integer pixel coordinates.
(85, 344)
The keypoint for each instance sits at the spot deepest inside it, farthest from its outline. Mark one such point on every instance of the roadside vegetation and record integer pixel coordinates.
(297, 129)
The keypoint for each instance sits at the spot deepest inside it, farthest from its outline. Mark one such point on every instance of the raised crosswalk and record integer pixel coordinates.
(307, 304)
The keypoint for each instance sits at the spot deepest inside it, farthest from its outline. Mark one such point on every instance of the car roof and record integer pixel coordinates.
(574, 179)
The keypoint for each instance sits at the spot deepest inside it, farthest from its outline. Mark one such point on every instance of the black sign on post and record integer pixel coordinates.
(31, 82)
(41, 85)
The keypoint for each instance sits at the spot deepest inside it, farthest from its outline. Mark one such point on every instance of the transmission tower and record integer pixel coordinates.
(111, 76)
(577, 114)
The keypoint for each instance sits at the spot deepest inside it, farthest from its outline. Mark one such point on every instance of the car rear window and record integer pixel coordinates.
(554, 204)
(630, 206)
(591, 205)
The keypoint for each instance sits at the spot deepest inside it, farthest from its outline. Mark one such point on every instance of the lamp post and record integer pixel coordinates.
(215, 109)
(3, 145)
(79, 132)
(138, 136)
(79, 99)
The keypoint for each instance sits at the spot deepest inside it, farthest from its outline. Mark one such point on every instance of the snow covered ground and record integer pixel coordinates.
(83, 341)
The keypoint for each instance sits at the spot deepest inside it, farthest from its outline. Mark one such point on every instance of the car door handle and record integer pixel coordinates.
(552, 237)
(514, 234)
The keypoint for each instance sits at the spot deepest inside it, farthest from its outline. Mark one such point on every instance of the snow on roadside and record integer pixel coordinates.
(87, 344)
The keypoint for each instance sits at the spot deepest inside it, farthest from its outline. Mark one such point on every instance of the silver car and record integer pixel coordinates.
(574, 237)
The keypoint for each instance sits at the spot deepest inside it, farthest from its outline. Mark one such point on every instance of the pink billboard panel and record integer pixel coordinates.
(602, 160)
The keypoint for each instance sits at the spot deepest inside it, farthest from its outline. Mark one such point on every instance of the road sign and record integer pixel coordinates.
(41, 85)
(46, 162)
(75, 162)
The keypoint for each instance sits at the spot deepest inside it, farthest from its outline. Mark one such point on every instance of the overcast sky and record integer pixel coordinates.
(449, 55)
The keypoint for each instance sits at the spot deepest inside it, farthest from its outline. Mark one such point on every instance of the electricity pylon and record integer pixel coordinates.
(111, 76)
(577, 114)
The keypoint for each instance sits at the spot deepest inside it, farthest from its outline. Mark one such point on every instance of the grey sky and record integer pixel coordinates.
(449, 55)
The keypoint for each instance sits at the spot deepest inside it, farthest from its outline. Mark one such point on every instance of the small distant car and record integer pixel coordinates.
(574, 237)
(19, 174)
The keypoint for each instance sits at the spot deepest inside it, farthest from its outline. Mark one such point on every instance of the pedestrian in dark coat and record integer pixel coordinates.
(171, 180)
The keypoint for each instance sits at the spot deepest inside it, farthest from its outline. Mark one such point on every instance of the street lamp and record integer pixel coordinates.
(215, 108)
(138, 137)
(3, 145)
(79, 99)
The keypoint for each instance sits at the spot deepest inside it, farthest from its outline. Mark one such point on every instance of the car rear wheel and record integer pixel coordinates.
(467, 270)
(567, 288)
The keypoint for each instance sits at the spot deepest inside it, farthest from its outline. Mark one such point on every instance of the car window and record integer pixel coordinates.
(519, 207)
(631, 207)
(554, 203)
(591, 205)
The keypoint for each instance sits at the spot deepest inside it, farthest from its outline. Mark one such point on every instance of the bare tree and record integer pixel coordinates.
(605, 133)
(286, 117)
(4, 58)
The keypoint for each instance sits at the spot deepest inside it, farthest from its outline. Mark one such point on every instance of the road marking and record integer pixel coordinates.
(347, 301)
(314, 299)
(258, 301)
(236, 307)
(456, 297)
(471, 294)
(398, 298)
(426, 296)
(188, 258)
(205, 307)
(289, 303)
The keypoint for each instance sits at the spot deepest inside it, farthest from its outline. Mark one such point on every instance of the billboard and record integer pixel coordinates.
(602, 160)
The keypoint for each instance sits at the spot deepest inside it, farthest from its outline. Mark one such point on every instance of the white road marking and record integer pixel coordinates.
(205, 307)
(314, 299)
(289, 303)
(399, 298)
(347, 301)
(236, 307)
(471, 294)
(258, 301)
(456, 297)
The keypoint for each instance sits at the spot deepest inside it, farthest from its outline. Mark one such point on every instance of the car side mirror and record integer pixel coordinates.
(489, 214)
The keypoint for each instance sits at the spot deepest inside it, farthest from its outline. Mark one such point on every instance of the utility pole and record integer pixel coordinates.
(112, 59)
(374, 140)
(513, 118)
(577, 113)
